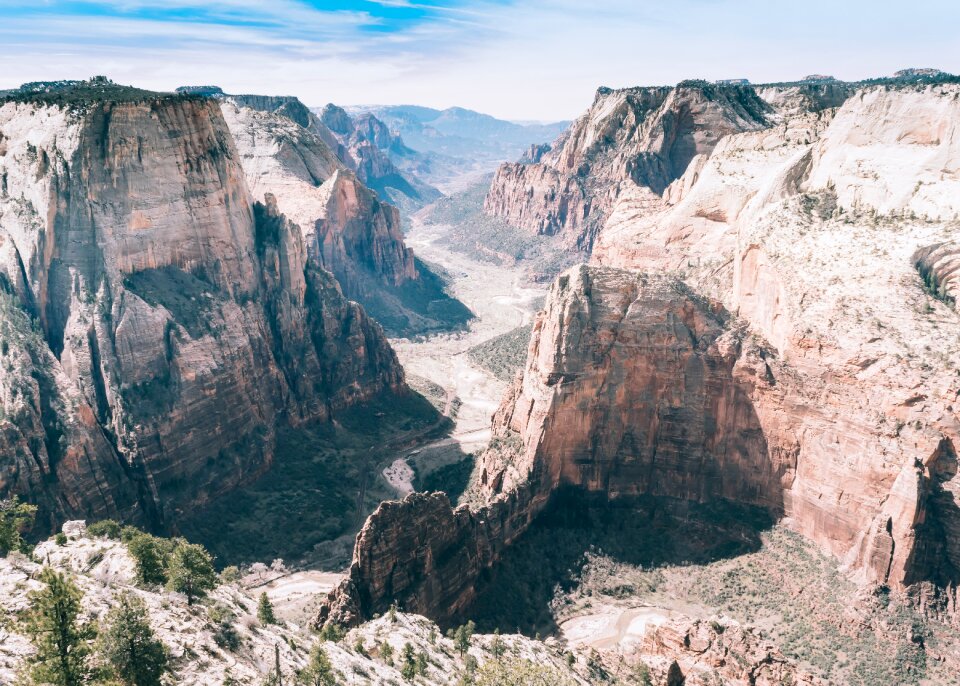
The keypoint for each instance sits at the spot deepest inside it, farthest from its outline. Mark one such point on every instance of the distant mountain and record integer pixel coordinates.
(456, 140)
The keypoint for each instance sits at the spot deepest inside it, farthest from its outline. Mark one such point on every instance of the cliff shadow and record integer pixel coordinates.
(323, 482)
(517, 593)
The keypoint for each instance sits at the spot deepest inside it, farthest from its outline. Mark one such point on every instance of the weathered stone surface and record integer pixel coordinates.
(179, 319)
(629, 138)
(347, 228)
(694, 652)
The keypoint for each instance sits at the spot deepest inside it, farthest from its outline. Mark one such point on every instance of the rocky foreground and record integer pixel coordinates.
(222, 639)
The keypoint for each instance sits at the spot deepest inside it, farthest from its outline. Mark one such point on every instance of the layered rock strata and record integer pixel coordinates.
(348, 229)
(161, 320)
(365, 145)
(629, 138)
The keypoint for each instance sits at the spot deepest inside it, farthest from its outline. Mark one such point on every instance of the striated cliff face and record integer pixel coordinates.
(629, 138)
(348, 230)
(177, 319)
(777, 328)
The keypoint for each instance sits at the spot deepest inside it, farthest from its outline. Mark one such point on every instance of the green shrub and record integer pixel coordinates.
(105, 528)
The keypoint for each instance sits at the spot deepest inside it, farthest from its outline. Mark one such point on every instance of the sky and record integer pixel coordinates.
(515, 59)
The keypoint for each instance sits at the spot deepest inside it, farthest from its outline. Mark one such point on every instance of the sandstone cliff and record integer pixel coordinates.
(161, 321)
(347, 228)
(364, 144)
(629, 138)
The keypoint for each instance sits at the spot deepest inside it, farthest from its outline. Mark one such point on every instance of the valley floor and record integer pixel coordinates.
(441, 366)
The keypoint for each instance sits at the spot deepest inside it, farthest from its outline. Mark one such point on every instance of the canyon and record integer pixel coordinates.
(767, 319)
(747, 380)
(163, 316)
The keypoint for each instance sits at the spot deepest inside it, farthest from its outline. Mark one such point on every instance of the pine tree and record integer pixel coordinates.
(319, 671)
(191, 571)
(497, 647)
(150, 555)
(138, 658)
(409, 668)
(14, 518)
(265, 610)
(62, 643)
(462, 637)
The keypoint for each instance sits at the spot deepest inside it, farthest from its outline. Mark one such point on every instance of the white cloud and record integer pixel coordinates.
(538, 59)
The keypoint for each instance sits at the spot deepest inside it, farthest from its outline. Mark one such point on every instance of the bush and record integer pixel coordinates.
(230, 575)
(224, 632)
(60, 538)
(105, 528)
(520, 672)
(332, 632)
(151, 555)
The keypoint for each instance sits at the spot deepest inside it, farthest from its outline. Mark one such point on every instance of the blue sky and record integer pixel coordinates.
(520, 59)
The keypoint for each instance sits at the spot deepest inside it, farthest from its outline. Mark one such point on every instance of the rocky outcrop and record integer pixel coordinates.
(176, 320)
(347, 228)
(633, 137)
(425, 556)
(701, 652)
(775, 328)
(364, 144)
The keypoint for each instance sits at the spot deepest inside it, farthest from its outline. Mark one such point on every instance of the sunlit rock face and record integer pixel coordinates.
(632, 138)
(177, 319)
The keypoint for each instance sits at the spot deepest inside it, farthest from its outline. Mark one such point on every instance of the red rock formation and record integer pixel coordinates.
(179, 320)
(828, 396)
(699, 652)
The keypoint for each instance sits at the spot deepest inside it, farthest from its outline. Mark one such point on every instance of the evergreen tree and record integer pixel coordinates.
(319, 671)
(462, 637)
(191, 571)
(265, 611)
(408, 669)
(138, 658)
(151, 556)
(497, 647)
(62, 643)
(386, 652)
(14, 518)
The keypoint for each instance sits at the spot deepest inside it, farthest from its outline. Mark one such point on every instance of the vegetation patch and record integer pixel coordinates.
(490, 239)
(706, 559)
(503, 355)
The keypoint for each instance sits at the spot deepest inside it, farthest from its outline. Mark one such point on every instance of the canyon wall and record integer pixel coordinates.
(348, 229)
(364, 144)
(629, 138)
(162, 319)
(777, 328)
